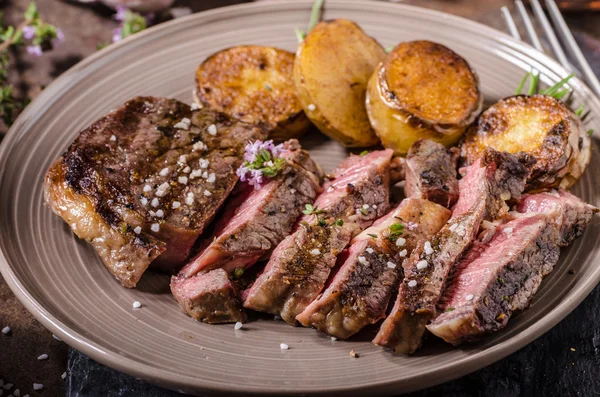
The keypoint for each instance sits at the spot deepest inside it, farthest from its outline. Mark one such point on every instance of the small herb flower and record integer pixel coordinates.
(262, 160)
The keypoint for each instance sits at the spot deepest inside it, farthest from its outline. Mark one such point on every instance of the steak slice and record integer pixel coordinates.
(431, 173)
(300, 265)
(256, 220)
(151, 168)
(361, 290)
(501, 276)
(487, 183)
(573, 215)
(209, 297)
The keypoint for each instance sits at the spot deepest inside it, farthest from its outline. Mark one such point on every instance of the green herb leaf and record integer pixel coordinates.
(591, 132)
(364, 152)
(556, 88)
(579, 110)
(32, 12)
(395, 230)
(238, 273)
(123, 228)
(372, 235)
(308, 209)
(364, 211)
(500, 280)
(338, 222)
(533, 84)
(449, 309)
(522, 84)
(300, 35)
(389, 49)
(315, 14)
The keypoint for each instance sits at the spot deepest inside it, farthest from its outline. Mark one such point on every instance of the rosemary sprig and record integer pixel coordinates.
(556, 88)
(395, 230)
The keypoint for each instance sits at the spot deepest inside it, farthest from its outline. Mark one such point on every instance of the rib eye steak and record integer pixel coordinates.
(501, 276)
(300, 265)
(488, 183)
(141, 183)
(360, 292)
(254, 222)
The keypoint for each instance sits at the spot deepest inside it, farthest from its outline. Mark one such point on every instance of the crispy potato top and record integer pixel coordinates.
(431, 82)
(251, 83)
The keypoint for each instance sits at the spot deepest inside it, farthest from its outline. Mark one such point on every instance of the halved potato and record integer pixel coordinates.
(539, 125)
(332, 67)
(253, 84)
(422, 90)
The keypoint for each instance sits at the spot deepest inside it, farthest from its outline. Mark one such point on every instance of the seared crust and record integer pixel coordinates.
(539, 125)
(134, 164)
(253, 84)
(430, 82)
(126, 254)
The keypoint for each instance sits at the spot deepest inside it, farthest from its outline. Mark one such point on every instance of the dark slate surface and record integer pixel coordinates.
(546, 367)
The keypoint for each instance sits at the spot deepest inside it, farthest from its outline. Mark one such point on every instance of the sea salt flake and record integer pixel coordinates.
(212, 129)
(453, 227)
(363, 260)
(147, 188)
(6, 330)
(412, 283)
(400, 242)
(283, 346)
(113, 138)
(195, 106)
(155, 227)
(176, 204)
(403, 253)
(137, 230)
(312, 107)
(369, 250)
(508, 230)
(428, 249)
(183, 180)
(391, 265)
(469, 297)
(164, 171)
(137, 305)
(237, 326)
(63, 376)
(182, 159)
(38, 386)
(42, 357)
(144, 201)
(211, 178)
(155, 202)
(187, 169)
(184, 124)
(207, 193)
(195, 174)
(160, 213)
(422, 265)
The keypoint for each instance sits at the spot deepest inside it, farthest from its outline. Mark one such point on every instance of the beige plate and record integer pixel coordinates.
(62, 282)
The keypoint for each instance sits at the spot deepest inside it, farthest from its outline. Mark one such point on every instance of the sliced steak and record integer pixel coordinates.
(254, 223)
(151, 168)
(361, 290)
(300, 265)
(487, 183)
(431, 173)
(257, 220)
(573, 215)
(209, 297)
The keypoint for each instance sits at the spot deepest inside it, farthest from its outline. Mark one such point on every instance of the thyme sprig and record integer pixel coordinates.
(395, 230)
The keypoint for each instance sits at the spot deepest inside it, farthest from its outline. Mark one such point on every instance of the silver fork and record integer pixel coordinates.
(582, 67)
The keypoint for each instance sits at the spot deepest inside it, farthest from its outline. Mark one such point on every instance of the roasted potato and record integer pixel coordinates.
(539, 125)
(422, 90)
(253, 84)
(332, 67)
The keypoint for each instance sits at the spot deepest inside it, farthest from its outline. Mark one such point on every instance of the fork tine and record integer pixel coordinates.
(556, 48)
(571, 44)
(510, 23)
(533, 37)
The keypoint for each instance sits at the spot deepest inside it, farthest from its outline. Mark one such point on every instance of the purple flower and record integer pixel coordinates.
(121, 14)
(60, 37)
(29, 32)
(116, 35)
(242, 172)
(256, 178)
(34, 50)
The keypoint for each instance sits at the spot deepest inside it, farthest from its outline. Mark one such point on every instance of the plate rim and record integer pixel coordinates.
(132, 367)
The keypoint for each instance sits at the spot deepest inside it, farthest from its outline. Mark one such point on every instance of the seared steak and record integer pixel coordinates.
(487, 183)
(256, 220)
(361, 290)
(141, 183)
(431, 173)
(501, 276)
(300, 265)
(573, 215)
(209, 297)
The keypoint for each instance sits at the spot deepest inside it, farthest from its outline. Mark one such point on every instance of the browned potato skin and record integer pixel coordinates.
(332, 67)
(431, 82)
(422, 90)
(398, 129)
(253, 84)
(539, 125)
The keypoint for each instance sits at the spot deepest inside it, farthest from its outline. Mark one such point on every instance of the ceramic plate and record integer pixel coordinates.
(64, 284)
